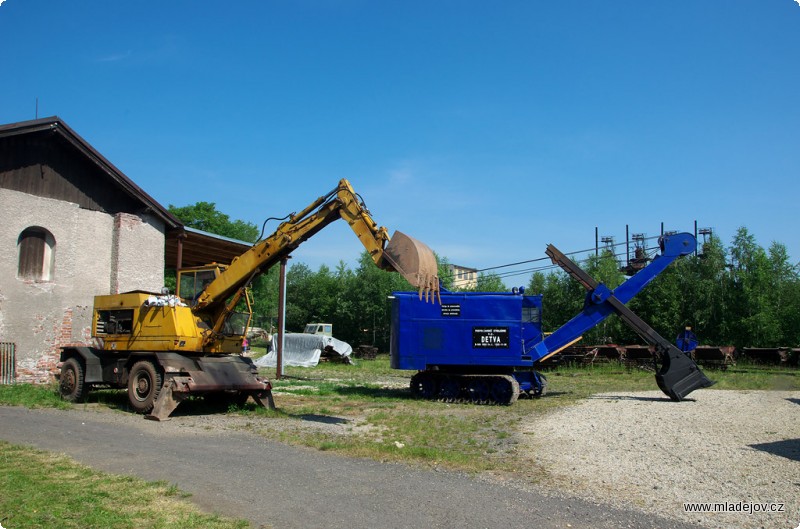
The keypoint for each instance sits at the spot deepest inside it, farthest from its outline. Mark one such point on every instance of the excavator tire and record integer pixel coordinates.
(71, 384)
(144, 384)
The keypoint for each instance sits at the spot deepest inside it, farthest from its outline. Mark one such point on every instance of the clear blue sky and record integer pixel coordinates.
(485, 129)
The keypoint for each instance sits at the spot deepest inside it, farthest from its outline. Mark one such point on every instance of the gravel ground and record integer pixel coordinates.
(638, 449)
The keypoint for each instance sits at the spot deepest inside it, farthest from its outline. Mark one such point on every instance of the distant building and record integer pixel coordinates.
(463, 277)
(73, 226)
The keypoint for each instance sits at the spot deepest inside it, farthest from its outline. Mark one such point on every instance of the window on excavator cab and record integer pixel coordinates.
(531, 315)
(236, 324)
(192, 283)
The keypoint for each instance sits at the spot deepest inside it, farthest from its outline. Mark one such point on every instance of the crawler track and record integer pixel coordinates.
(465, 388)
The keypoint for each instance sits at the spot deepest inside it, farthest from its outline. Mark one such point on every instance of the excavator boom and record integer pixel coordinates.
(401, 253)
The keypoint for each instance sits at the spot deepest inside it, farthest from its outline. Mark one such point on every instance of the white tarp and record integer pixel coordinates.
(302, 350)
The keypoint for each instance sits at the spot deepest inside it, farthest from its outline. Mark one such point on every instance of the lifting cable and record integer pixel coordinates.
(651, 252)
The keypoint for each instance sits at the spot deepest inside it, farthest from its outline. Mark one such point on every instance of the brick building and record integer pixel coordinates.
(73, 226)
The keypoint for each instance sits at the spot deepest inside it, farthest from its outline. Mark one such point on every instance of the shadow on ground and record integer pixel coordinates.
(632, 397)
(790, 448)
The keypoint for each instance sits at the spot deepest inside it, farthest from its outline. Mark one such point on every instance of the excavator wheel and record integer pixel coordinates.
(71, 384)
(144, 384)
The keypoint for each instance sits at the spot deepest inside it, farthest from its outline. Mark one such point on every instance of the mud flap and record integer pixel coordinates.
(166, 402)
(262, 396)
(679, 375)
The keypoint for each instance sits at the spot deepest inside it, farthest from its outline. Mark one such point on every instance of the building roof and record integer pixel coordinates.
(56, 125)
(197, 247)
(200, 247)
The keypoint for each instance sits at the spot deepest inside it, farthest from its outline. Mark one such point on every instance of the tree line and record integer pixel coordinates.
(742, 295)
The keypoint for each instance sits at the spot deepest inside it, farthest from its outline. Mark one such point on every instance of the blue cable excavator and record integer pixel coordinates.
(484, 347)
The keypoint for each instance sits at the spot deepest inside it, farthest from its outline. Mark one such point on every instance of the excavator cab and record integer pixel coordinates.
(193, 281)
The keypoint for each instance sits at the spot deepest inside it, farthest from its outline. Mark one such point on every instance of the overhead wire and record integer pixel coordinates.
(512, 273)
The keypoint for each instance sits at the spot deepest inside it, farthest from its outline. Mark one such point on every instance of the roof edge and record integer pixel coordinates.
(58, 126)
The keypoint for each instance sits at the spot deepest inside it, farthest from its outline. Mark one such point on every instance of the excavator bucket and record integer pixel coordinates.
(415, 261)
(679, 374)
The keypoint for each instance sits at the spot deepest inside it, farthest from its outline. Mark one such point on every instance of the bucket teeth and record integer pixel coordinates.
(429, 288)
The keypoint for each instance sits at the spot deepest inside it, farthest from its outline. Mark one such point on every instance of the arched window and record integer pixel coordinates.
(36, 248)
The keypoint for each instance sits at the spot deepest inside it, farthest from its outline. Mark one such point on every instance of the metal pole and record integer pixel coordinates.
(281, 318)
(627, 247)
(695, 237)
(596, 243)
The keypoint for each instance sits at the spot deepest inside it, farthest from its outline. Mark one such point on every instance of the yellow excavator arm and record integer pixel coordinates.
(411, 258)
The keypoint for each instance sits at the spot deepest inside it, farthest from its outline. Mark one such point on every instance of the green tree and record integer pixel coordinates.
(356, 303)
(490, 282)
(205, 216)
(299, 293)
(445, 275)
(265, 300)
(562, 297)
(370, 304)
(783, 294)
(749, 298)
(707, 292)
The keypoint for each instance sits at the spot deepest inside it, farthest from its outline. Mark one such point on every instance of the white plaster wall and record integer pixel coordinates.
(139, 253)
(39, 317)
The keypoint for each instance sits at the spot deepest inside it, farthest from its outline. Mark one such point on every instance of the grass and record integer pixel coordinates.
(32, 396)
(753, 377)
(41, 490)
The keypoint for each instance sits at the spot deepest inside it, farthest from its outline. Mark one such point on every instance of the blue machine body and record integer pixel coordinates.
(495, 332)
(467, 328)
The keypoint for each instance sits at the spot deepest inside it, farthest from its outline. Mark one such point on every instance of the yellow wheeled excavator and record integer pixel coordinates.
(163, 347)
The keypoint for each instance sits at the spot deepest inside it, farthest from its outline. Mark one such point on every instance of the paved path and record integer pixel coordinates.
(243, 475)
